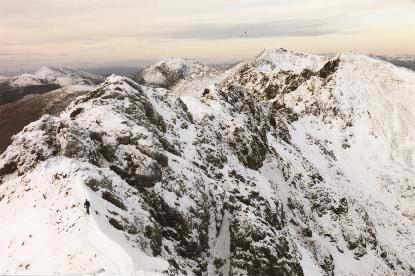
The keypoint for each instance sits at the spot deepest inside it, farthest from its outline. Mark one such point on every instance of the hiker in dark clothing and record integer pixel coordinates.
(87, 205)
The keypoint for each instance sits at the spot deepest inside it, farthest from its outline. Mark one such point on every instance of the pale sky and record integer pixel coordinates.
(101, 32)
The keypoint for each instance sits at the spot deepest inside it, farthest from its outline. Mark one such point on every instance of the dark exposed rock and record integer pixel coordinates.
(342, 208)
(113, 200)
(329, 68)
(218, 263)
(173, 226)
(76, 112)
(139, 180)
(272, 91)
(116, 224)
(215, 158)
(250, 150)
(169, 147)
(187, 114)
(108, 152)
(8, 168)
(93, 184)
(154, 117)
(91, 95)
(96, 136)
(155, 236)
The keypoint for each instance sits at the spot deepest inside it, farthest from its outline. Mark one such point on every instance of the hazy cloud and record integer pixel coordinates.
(96, 31)
(279, 28)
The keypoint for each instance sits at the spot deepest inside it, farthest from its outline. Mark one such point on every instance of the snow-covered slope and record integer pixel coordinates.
(284, 60)
(182, 76)
(51, 75)
(166, 72)
(290, 164)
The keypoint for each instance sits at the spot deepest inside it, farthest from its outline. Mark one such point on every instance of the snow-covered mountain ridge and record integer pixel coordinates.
(167, 72)
(52, 75)
(182, 76)
(288, 164)
(44, 80)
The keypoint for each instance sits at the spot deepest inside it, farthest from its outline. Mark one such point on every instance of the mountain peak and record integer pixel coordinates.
(281, 59)
(167, 72)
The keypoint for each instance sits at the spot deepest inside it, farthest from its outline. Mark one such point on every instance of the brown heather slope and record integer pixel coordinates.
(15, 115)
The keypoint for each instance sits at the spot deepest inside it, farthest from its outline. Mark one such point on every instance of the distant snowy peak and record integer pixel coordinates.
(26, 80)
(167, 72)
(51, 75)
(285, 60)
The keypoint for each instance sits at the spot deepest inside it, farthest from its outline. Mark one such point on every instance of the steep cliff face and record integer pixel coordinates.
(291, 164)
(350, 120)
